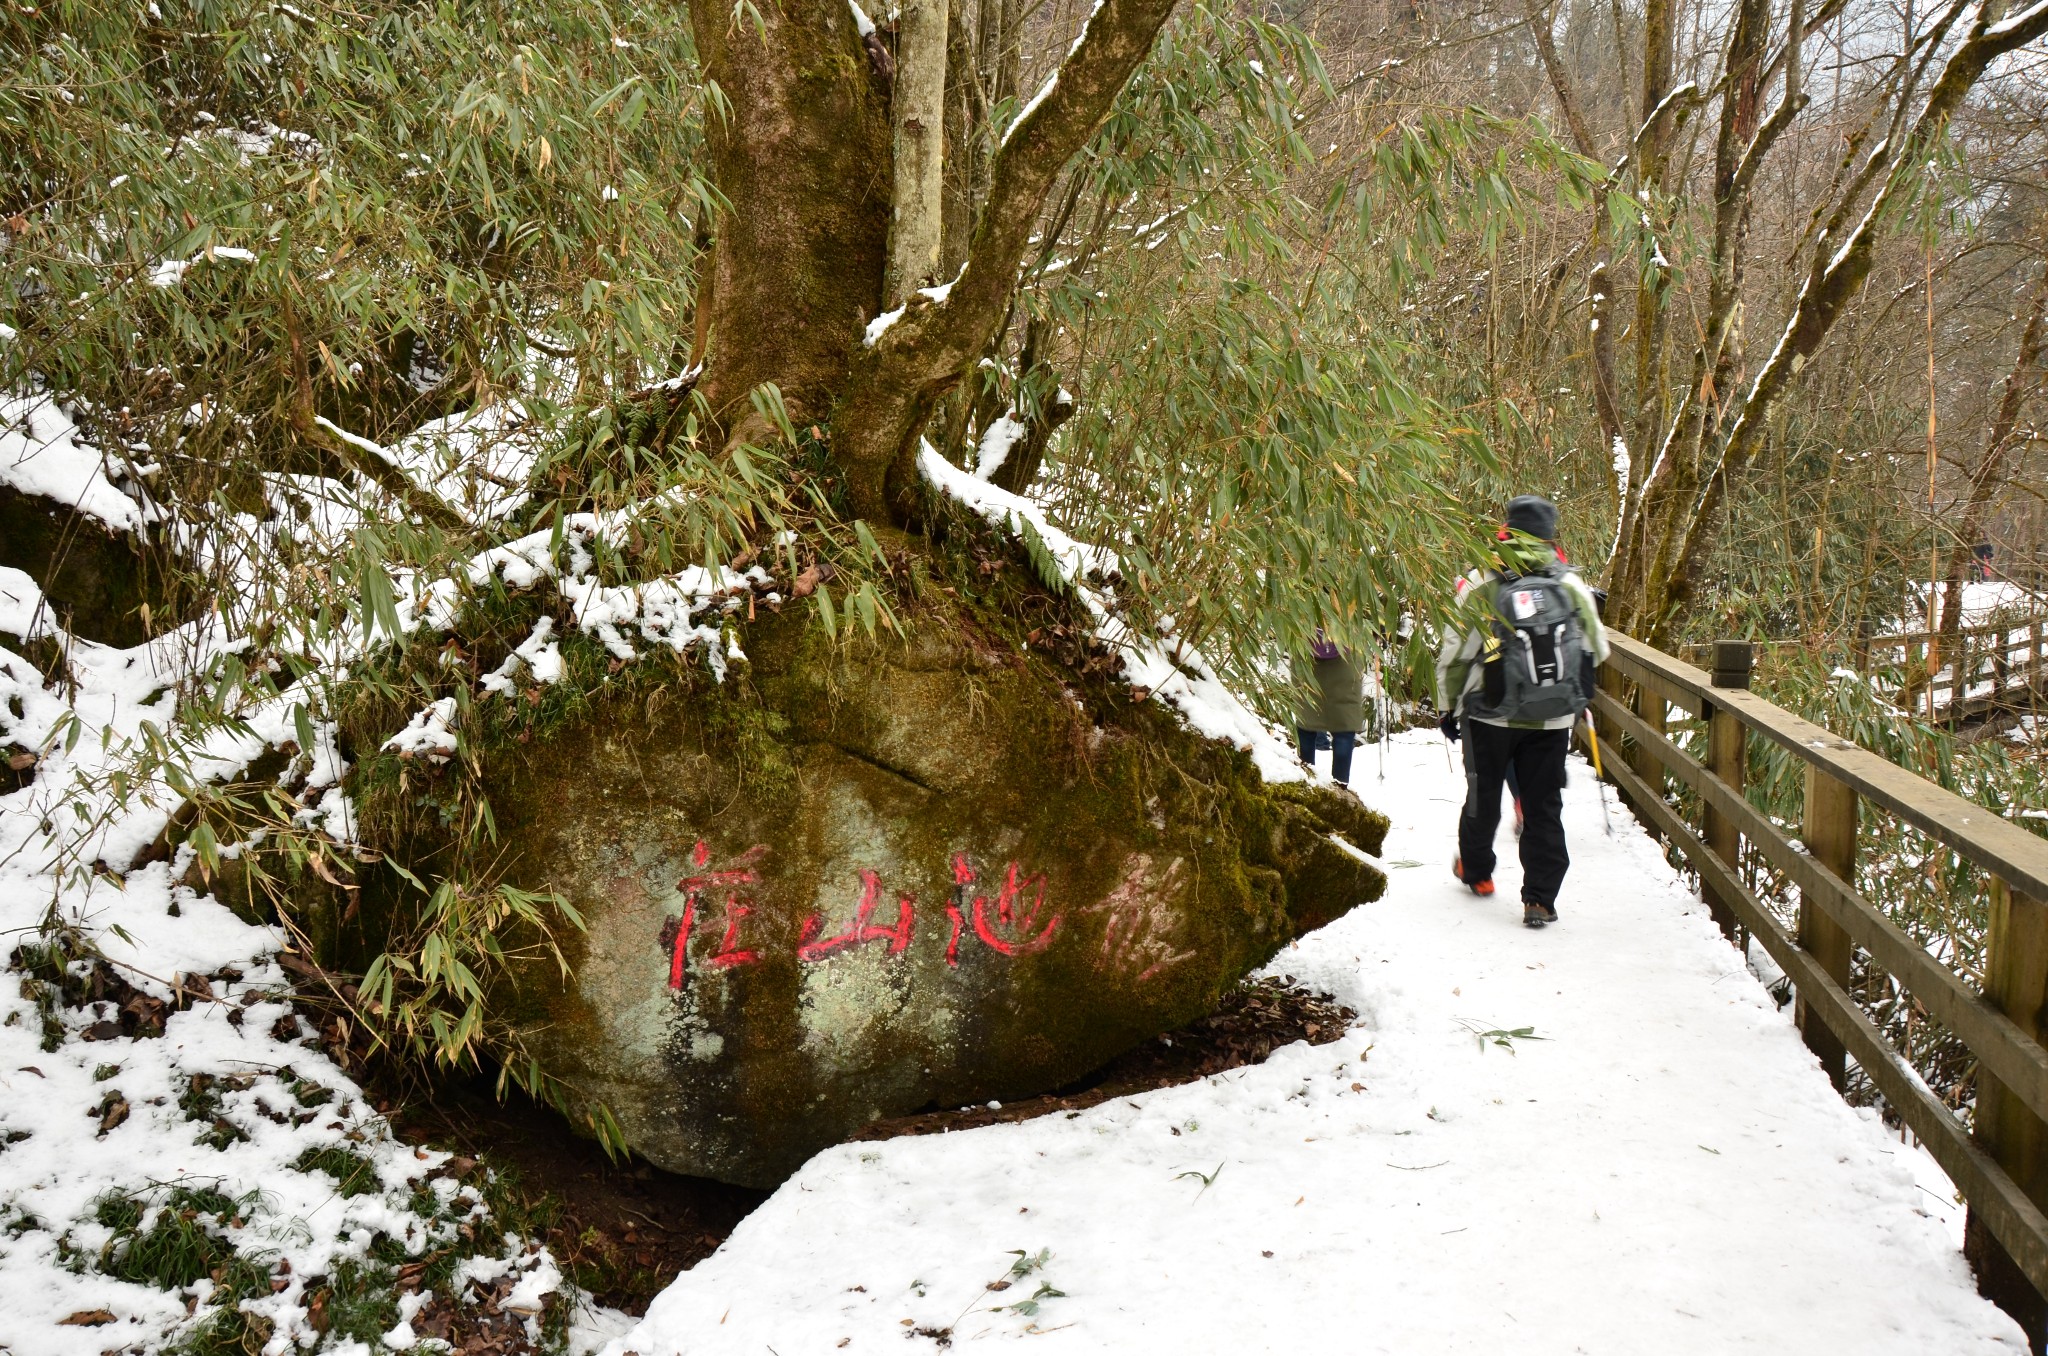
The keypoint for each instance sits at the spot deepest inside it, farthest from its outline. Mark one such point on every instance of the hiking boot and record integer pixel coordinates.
(1549, 912)
(1535, 915)
(1477, 887)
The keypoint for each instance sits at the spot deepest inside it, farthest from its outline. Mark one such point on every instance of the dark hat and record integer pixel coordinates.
(1532, 514)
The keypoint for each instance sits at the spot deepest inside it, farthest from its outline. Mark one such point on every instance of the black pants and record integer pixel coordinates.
(1536, 758)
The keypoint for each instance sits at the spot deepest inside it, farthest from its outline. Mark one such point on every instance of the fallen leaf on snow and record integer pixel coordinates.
(87, 1318)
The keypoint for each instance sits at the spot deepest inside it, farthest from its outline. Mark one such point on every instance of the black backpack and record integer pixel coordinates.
(1535, 665)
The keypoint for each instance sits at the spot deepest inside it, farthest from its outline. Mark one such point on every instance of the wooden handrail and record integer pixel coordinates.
(2014, 644)
(2002, 1172)
(2020, 1062)
(2011, 1215)
(1893, 642)
(2013, 853)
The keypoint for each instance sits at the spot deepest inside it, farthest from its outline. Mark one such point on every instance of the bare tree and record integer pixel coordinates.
(1706, 430)
(1993, 463)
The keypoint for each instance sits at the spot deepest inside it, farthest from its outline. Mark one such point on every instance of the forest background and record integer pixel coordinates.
(1754, 291)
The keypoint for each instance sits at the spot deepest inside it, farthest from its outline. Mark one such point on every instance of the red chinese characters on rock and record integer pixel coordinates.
(1015, 923)
(811, 947)
(1011, 930)
(729, 882)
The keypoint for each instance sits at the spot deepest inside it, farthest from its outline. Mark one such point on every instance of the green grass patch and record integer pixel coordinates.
(200, 1101)
(362, 1302)
(356, 1175)
(169, 1245)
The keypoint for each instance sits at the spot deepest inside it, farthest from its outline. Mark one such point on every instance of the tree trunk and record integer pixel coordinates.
(897, 380)
(803, 245)
(1999, 444)
(1599, 282)
(1040, 406)
(919, 117)
(962, 156)
(801, 159)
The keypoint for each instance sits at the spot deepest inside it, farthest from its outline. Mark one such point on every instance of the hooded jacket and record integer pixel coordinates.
(1457, 666)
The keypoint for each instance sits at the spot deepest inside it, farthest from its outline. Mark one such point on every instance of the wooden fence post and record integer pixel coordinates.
(2016, 980)
(1650, 708)
(1728, 759)
(1608, 678)
(1830, 835)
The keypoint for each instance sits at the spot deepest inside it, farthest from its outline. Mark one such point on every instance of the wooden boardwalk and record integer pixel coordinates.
(1658, 1166)
(1988, 671)
(1999, 1157)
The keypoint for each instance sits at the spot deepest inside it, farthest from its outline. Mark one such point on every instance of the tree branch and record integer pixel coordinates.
(1561, 83)
(2020, 383)
(1820, 19)
(900, 375)
(1832, 285)
(375, 464)
(1054, 126)
(1835, 284)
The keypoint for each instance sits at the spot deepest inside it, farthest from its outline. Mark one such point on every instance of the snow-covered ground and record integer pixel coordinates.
(1659, 1166)
(1984, 600)
(1602, 1137)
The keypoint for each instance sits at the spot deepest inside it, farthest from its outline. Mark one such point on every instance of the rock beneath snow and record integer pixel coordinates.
(861, 881)
(95, 578)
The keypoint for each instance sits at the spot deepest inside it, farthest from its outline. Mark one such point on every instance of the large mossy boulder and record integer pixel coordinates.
(859, 880)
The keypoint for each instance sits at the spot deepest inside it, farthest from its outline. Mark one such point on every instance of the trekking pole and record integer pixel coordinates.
(1599, 777)
(1379, 702)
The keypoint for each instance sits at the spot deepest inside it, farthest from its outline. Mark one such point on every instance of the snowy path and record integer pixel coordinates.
(1666, 1170)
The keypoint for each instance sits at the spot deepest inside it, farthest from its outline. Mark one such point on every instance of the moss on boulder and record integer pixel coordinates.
(859, 880)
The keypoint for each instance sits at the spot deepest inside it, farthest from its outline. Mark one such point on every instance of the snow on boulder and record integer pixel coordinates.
(66, 525)
(856, 880)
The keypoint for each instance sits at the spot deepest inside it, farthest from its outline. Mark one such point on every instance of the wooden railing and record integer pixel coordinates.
(2001, 1167)
(2002, 659)
(2001, 663)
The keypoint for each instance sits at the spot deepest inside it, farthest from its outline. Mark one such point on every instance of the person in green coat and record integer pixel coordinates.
(1336, 708)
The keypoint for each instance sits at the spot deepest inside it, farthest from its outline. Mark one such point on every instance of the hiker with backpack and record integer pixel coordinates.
(1514, 672)
(1336, 714)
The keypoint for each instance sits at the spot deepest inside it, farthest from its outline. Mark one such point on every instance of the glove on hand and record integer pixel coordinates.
(1448, 723)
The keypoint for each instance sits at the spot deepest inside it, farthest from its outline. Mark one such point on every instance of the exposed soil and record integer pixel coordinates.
(624, 1231)
(621, 1230)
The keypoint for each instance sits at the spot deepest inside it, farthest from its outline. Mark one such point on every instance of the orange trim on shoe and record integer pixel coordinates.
(1477, 887)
